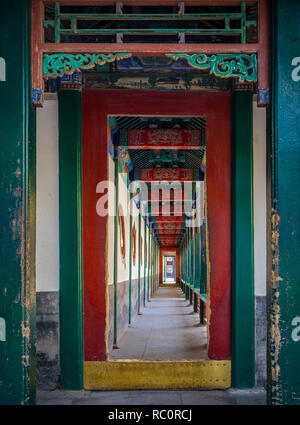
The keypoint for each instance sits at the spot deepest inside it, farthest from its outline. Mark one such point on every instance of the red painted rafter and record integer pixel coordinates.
(39, 47)
(173, 232)
(175, 196)
(174, 225)
(164, 139)
(169, 219)
(166, 174)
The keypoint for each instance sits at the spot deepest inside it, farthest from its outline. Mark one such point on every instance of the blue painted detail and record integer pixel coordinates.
(75, 78)
(110, 148)
(131, 175)
(201, 175)
(53, 85)
(263, 97)
(158, 63)
(129, 166)
(37, 96)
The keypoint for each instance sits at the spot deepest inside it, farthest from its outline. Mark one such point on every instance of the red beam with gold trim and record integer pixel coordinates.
(169, 219)
(166, 174)
(164, 139)
(168, 226)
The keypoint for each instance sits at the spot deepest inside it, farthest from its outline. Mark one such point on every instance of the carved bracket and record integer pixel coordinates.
(241, 66)
(58, 64)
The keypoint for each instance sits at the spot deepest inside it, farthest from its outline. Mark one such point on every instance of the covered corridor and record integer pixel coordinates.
(168, 329)
(197, 113)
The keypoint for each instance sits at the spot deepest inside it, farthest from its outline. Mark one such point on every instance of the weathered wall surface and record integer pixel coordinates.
(122, 312)
(47, 335)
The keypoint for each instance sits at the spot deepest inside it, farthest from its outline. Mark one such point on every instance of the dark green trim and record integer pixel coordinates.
(284, 288)
(17, 198)
(115, 332)
(145, 241)
(148, 267)
(243, 351)
(130, 262)
(271, 193)
(139, 268)
(70, 230)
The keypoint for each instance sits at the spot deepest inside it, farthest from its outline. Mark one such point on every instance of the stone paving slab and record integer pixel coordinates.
(256, 396)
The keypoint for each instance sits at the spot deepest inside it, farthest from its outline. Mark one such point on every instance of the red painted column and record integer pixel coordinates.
(216, 107)
(218, 167)
(161, 266)
(94, 170)
(177, 265)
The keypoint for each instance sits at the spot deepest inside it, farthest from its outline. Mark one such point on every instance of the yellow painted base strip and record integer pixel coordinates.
(136, 374)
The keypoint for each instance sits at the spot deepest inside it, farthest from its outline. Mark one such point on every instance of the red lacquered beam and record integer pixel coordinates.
(263, 51)
(170, 232)
(166, 174)
(169, 225)
(154, 49)
(37, 38)
(169, 219)
(164, 139)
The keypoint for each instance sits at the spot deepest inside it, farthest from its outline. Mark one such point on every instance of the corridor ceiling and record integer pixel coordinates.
(169, 230)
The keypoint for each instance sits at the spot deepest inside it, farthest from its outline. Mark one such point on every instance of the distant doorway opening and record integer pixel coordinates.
(169, 269)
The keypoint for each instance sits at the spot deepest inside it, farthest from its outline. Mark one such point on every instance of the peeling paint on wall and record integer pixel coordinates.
(275, 313)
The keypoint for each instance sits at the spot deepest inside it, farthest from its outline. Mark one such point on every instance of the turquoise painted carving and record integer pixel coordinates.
(241, 66)
(58, 64)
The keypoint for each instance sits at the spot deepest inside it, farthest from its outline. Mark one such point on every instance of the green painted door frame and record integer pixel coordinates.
(70, 235)
(17, 217)
(116, 228)
(130, 262)
(243, 310)
(284, 212)
(145, 254)
(139, 264)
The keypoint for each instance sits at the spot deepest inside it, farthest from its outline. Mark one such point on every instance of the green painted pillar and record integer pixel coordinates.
(130, 264)
(70, 233)
(139, 263)
(284, 277)
(116, 228)
(145, 254)
(243, 343)
(148, 266)
(17, 217)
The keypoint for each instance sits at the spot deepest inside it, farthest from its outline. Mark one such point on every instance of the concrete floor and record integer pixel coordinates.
(168, 329)
(175, 397)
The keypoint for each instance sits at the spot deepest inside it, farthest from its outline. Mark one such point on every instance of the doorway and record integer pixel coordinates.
(169, 269)
(98, 106)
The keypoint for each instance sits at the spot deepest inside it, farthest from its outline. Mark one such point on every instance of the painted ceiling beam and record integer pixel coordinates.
(166, 174)
(169, 219)
(164, 139)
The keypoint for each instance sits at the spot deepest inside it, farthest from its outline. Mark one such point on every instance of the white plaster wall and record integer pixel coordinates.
(47, 224)
(142, 246)
(147, 236)
(135, 221)
(259, 196)
(110, 229)
(123, 266)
